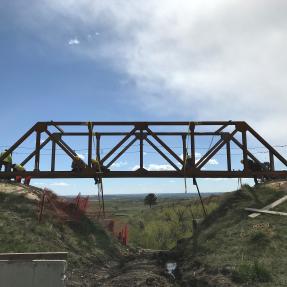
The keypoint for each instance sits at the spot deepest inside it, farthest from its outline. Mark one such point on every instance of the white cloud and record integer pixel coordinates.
(135, 167)
(221, 59)
(159, 167)
(155, 167)
(59, 184)
(119, 164)
(213, 161)
(197, 155)
(74, 41)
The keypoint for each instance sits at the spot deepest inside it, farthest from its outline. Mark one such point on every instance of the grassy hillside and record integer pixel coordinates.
(228, 249)
(87, 243)
(232, 249)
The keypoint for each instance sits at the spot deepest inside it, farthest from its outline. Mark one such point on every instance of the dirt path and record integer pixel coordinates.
(144, 269)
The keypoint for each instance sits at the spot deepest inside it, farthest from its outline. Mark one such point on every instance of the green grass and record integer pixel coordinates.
(250, 273)
(162, 225)
(248, 252)
(86, 241)
(256, 249)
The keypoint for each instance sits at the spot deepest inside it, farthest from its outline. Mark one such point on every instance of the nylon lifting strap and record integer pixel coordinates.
(100, 186)
(184, 169)
(185, 156)
(198, 191)
(194, 179)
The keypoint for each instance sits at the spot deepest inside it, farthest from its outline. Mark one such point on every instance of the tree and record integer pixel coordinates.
(150, 199)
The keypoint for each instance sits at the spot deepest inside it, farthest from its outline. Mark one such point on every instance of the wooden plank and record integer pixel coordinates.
(269, 206)
(34, 256)
(266, 211)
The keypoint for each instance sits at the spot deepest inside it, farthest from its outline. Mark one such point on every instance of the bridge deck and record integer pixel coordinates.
(89, 173)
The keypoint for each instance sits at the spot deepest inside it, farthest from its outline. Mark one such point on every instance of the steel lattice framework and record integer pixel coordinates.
(150, 133)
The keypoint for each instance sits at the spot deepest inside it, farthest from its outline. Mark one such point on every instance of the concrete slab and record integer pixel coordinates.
(34, 273)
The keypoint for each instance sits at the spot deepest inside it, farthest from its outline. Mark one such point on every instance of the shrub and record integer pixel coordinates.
(262, 274)
(248, 273)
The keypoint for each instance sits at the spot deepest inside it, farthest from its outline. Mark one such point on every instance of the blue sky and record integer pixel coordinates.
(145, 60)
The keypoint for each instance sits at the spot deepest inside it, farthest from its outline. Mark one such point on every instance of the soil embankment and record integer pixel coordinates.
(94, 257)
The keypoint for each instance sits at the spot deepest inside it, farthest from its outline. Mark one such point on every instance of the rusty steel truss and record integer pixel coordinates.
(150, 133)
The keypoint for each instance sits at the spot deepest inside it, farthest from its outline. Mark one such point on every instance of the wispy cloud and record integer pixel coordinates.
(213, 161)
(155, 167)
(119, 164)
(135, 167)
(217, 56)
(74, 41)
(159, 167)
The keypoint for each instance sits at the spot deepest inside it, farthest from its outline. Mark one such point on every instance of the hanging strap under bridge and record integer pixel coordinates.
(199, 194)
(98, 179)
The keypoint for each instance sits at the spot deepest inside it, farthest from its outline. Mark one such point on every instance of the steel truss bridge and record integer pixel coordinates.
(153, 134)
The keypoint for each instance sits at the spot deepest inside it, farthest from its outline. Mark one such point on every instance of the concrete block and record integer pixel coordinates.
(34, 273)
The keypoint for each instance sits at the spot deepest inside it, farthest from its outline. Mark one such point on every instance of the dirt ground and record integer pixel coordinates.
(144, 269)
(20, 189)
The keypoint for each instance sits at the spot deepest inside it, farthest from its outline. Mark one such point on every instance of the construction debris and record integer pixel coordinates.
(266, 211)
(267, 207)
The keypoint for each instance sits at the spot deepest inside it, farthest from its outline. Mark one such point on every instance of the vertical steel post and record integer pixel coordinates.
(228, 156)
(98, 147)
(271, 157)
(53, 156)
(37, 155)
(192, 143)
(141, 149)
(184, 147)
(90, 144)
(244, 144)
